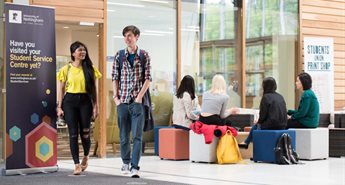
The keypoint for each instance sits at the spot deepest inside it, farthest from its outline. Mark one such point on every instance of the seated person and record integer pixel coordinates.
(186, 107)
(308, 113)
(272, 111)
(214, 102)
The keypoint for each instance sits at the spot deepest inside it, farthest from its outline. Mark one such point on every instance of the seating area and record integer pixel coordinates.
(173, 144)
(264, 142)
(310, 144)
(176, 144)
(201, 152)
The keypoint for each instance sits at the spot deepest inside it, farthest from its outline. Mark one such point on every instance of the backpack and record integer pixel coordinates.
(284, 152)
(149, 122)
(227, 149)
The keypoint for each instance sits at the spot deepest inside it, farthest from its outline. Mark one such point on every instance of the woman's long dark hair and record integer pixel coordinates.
(187, 85)
(88, 70)
(269, 85)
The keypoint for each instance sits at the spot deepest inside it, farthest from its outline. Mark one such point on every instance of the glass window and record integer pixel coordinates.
(157, 23)
(212, 50)
(271, 36)
(190, 36)
(218, 20)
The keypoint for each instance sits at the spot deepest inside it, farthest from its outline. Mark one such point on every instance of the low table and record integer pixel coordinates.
(337, 142)
(339, 120)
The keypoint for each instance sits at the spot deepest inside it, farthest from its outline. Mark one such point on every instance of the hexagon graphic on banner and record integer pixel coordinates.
(40, 146)
(44, 149)
(34, 118)
(9, 146)
(15, 133)
(45, 104)
(46, 119)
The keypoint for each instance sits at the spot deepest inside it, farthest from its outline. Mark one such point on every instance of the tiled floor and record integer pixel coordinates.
(321, 172)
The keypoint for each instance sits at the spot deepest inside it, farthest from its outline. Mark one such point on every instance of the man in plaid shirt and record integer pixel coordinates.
(130, 83)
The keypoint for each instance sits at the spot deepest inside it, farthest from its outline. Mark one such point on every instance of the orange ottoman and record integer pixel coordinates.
(247, 129)
(173, 144)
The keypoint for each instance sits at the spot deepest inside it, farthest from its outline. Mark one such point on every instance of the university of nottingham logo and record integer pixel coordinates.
(15, 16)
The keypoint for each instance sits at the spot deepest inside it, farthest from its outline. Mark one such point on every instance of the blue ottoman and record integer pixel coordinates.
(264, 142)
(156, 136)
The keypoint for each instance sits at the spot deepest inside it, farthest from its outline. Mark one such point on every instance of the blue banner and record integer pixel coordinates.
(30, 87)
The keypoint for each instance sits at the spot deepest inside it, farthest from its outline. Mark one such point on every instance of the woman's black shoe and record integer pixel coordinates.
(243, 145)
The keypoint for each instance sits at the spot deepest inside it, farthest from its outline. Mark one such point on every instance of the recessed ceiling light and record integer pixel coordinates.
(153, 34)
(159, 32)
(65, 27)
(125, 4)
(155, 1)
(86, 23)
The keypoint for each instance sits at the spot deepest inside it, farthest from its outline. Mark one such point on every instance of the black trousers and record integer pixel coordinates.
(214, 120)
(77, 113)
(295, 124)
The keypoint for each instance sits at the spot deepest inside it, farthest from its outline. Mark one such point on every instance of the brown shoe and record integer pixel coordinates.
(77, 170)
(84, 163)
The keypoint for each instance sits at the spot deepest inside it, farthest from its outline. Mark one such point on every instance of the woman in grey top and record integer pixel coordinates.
(214, 102)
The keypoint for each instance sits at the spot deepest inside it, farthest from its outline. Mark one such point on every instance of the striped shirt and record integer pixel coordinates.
(131, 80)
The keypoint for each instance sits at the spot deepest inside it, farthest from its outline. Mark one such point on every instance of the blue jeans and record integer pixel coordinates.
(259, 127)
(250, 136)
(130, 117)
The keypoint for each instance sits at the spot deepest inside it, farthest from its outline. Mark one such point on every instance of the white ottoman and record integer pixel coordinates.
(201, 152)
(312, 143)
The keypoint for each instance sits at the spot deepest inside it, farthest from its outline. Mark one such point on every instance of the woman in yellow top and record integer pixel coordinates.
(77, 82)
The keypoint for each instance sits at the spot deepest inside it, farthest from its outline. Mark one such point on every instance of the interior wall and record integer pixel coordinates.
(63, 41)
(90, 39)
(76, 10)
(326, 18)
(64, 38)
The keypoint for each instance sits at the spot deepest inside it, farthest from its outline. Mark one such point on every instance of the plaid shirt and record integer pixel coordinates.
(131, 80)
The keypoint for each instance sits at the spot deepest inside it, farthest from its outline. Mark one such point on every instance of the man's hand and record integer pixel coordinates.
(139, 99)
(117, 101)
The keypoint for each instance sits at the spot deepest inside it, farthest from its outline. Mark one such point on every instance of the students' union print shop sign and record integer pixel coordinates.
(319, 63)
(30, 89)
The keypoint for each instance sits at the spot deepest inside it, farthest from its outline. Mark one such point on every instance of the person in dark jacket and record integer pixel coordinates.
(272, 111)
(308, 113)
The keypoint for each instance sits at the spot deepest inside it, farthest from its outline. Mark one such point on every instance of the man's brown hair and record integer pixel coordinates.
(131, 28)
